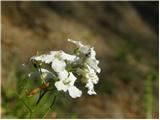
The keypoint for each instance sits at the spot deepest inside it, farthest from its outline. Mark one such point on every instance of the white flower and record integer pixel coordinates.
(56, 58)
(60, 55)
(83, 48)
(92, 61)
(91, 55)
(93, 64)
(91, 75)
(92, 79)
(74, 92)
(90, 87)
(66, 83)
(84, 63)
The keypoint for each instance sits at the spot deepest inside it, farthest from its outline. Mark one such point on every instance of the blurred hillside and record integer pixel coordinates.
(124, 34)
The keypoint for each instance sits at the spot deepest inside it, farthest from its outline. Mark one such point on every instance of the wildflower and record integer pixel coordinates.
(66, 83)
(82, 48)
(90, 54)
(92, 79)
(90, 87)
(60, 55)
(92, 61)
(56, 58)
(65, 66)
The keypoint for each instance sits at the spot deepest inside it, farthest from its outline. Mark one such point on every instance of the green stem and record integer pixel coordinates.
(53, 102)
(149, 93)
(40, 97)
(46, 113)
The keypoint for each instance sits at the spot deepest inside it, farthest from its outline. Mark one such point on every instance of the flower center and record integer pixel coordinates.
(66, 82)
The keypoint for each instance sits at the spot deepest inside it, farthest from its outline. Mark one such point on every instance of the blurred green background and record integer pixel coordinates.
(125, 36)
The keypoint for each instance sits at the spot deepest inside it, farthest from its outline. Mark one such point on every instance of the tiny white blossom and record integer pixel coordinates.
(92, 61)
(91, 57)
(93, 64)
(61, 55)
(90, 87)
(92, 79)
(56, 58)
(83, 48)
(67, 84)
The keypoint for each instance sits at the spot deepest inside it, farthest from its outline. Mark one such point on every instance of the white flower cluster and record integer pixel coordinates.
(68, 69)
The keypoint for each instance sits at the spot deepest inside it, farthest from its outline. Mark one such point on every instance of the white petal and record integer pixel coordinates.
(44, 70)
(49, 58)
(60, 86)
(74, 92)
(90, 87)
(63, 75)
(83, 48)
(78, 43)
(91, 92)
(44, 58)
(53, 53)
(93, 63)
(91, 75)
(71, 78)
(93, 53)
(58, 65)
(68, 57)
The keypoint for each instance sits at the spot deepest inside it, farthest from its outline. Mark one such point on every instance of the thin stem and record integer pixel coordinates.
(40, 96)
(53, 102)
(38, 67)
(30, 110)
(46, 113)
